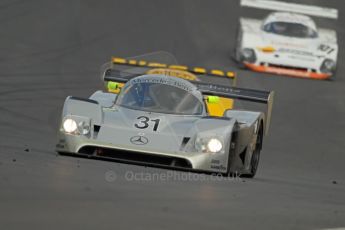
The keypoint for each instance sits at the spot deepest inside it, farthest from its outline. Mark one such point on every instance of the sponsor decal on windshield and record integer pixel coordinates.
(165, 81)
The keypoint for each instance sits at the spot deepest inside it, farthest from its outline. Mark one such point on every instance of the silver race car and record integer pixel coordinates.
(158, 114)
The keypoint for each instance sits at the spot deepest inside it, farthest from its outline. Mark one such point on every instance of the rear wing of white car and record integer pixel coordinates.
(292, 7)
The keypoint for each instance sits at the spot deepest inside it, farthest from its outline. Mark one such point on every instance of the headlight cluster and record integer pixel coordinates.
(70, 125)
(328, 66)
(209, 144)
(76, 125)
(248, 55)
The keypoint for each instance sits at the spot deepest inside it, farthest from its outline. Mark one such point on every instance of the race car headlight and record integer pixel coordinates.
(328, 66)
(76, 125)
(214, 145)
(248, 55)
(84, 127)
(70, 125)
(209, 145)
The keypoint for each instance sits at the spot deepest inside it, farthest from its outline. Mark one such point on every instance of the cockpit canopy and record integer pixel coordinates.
(290, 24)
(166, 96)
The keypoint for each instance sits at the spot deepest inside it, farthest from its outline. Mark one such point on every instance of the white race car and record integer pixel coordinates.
(288, 41)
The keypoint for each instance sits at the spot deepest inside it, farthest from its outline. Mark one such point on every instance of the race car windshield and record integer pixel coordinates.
(290, 29)
(159, 98)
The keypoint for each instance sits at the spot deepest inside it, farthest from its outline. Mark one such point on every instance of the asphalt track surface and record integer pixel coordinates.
(52, 49)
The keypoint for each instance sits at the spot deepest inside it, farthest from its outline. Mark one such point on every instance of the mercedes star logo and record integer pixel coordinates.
(139, 140)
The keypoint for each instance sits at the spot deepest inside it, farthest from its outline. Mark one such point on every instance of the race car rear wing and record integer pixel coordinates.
(252, 95)
(292, 7)
(181, 71)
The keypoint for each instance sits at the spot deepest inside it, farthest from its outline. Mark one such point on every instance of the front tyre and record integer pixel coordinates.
(333, 77)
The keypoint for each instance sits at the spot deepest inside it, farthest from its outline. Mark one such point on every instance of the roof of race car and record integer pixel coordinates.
(292, 18)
